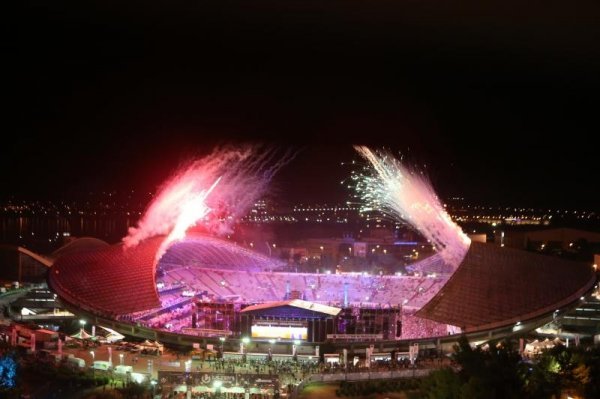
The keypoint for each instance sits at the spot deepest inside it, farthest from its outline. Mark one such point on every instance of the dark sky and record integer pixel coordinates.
(499, 101)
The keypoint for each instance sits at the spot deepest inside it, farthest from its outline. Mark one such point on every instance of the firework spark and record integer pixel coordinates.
(214, 191)
(401, 193)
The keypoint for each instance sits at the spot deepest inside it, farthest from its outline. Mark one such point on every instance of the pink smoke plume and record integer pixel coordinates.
(213, 191)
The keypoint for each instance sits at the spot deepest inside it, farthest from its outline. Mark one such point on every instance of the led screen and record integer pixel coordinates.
(283, 332)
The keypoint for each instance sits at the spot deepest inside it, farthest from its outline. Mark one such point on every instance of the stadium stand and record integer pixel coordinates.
(218, 254)
(254, 287)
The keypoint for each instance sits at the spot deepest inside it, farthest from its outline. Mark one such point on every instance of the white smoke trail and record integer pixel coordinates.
(401, 193)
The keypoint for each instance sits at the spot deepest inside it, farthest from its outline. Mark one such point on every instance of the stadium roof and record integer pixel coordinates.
(296, 303)
(112, 280)
(117, 280)
(83, 244)
(496, 286)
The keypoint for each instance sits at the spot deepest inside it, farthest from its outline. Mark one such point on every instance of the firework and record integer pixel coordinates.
(402, 193)
(213, 191)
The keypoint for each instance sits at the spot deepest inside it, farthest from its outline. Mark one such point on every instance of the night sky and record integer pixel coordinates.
(498, 103)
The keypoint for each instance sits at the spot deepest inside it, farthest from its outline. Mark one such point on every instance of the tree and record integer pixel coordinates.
(542, 378)
(475, 388)
(592, 360)
(442, 384)
(493, 373)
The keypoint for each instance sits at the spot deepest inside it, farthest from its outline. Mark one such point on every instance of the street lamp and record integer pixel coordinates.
(295, 347)
(271, 342)
(93, 357)
(222, 339)
(244, 342)
(217, 385)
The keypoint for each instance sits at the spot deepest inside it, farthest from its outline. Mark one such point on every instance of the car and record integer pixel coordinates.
(101, 365)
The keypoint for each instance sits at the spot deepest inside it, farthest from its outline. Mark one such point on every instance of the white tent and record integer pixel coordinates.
(81, 335)
(147, 344)
(532, 346)
(112, 335)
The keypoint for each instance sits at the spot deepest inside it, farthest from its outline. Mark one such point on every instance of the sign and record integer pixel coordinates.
(413, 352)
(355, 337)
(281, 323)
(369, 351)
(171, 364)
(206, 332)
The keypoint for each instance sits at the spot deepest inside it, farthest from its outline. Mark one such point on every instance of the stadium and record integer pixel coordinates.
(205, 288)
(169, 282)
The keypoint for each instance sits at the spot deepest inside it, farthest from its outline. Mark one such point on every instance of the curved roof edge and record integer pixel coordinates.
(80, 244)
(495, 287)
(112, 280)
(42, 259)
(540, 312)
